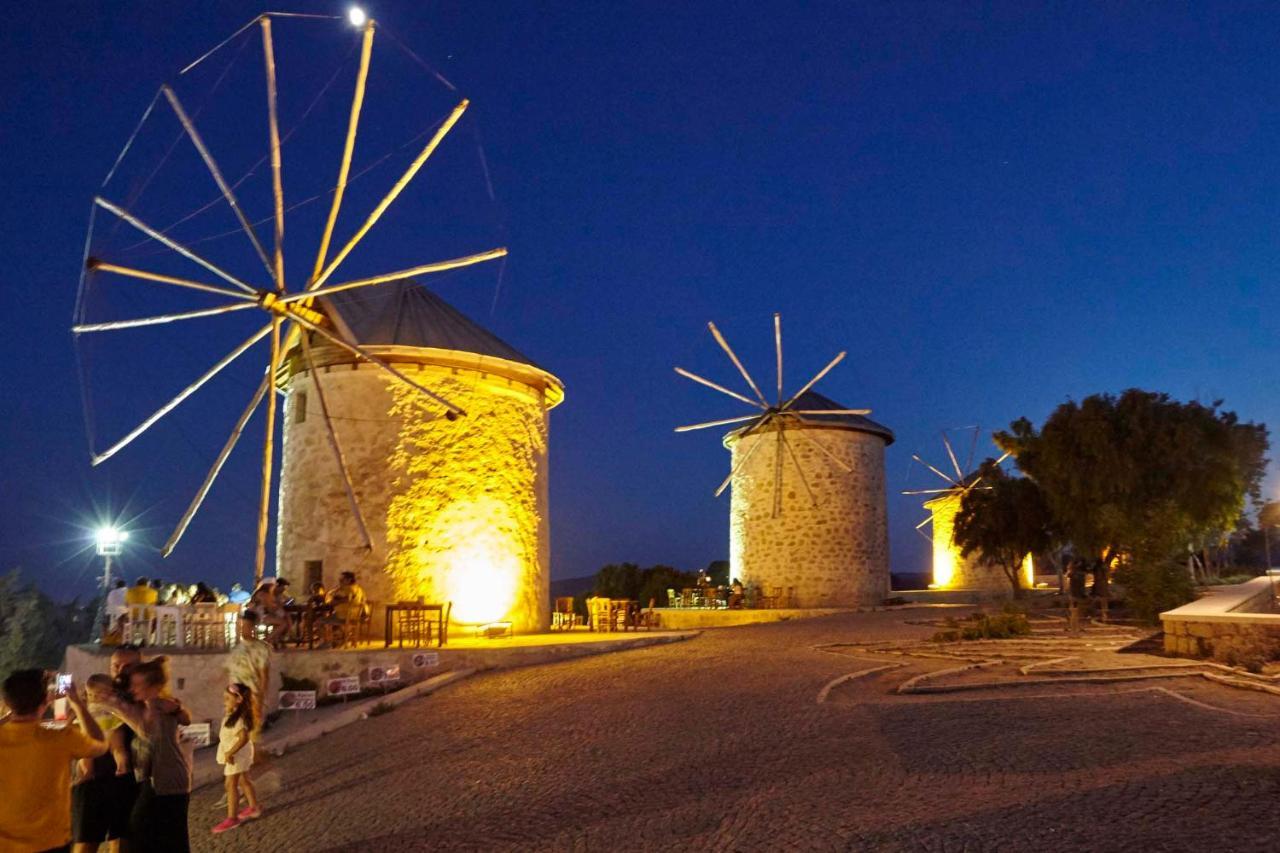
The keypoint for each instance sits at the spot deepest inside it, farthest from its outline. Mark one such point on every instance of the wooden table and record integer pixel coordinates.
(411, 606)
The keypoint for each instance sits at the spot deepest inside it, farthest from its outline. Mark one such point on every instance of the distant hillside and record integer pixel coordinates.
(572, 586)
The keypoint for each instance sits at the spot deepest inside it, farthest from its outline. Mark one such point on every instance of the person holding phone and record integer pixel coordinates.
(35, 805)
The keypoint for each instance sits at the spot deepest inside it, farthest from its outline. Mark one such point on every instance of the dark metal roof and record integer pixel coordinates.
(404, 313)
(814, 400)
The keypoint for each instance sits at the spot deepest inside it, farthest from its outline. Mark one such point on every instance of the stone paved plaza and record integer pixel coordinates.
(721, 743)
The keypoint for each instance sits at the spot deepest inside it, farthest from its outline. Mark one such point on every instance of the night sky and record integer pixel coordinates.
(992, 207)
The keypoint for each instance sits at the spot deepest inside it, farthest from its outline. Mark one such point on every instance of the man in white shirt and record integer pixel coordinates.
(115, 598)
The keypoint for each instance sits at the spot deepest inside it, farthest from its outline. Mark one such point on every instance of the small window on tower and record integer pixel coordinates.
(300, 408)
(313, 570)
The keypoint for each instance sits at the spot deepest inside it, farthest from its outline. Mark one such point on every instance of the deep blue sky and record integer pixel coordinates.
(992, 207)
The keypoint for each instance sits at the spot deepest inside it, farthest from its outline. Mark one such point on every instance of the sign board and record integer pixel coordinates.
(384, 674)
(423, 660)
(297, 700)
(197, 734)
(344, 686)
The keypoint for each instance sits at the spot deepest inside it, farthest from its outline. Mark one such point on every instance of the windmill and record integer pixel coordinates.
(943, 503)
(295, 306)
(773, 417)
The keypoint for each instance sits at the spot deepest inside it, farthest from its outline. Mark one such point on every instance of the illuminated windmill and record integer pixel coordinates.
(773, 418)
(298, 312)
(950, 568)
(824, 544)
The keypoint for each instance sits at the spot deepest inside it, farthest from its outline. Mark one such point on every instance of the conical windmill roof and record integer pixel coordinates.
(404, 313)
(402, 321)
(812, 400)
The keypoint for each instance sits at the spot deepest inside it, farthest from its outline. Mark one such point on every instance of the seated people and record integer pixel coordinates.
(270, 611)
(348, 599)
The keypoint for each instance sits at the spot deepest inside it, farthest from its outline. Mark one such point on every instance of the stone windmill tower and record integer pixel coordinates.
(951, 569)
(449, 508)
(808, 507)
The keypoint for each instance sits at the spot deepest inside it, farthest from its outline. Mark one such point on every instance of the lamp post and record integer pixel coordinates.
(110, 542)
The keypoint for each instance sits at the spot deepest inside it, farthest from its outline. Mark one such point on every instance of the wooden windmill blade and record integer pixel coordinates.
(291, 315)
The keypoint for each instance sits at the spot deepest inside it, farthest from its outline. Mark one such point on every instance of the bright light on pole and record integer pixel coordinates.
(356, 16)
(109, 540)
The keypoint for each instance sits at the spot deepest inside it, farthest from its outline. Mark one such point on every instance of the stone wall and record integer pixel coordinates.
(951, 570)
(197, 678)
(1235, 615)
(456, 509)
(833, 549)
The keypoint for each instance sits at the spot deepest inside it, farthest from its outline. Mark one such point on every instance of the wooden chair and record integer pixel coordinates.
(791, 596)
(622, 615)
(412, 623)
(647, 619)
(599, 610)
(563, 617)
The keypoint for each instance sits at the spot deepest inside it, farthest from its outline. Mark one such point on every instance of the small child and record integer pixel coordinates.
(100, 691)
(235, 751)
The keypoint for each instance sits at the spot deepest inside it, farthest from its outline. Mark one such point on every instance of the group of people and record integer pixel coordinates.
(273, 602)
(120, 771)
(154, 591)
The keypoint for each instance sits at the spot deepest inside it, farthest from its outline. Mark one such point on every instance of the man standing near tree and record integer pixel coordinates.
(250, 664)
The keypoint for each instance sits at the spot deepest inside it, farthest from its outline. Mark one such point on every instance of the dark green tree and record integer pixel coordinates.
(34, 629)
(1002, 521)
(1140, 477)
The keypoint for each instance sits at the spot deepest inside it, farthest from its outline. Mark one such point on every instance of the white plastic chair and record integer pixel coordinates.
(169, 628)
(138, 629)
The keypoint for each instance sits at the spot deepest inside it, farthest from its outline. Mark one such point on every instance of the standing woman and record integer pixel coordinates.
(159, 820)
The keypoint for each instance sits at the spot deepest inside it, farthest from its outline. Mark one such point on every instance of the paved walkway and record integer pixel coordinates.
(721, 743)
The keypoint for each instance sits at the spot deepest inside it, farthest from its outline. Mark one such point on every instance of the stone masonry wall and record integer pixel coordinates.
(834, 552)
(950, 569)
(456, 510)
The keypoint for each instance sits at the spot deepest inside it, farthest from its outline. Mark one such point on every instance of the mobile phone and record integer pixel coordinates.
(64, 683)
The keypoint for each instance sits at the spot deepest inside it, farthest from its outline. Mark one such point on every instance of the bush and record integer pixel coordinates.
(288, 682)
(985, 626)
(1152, 587)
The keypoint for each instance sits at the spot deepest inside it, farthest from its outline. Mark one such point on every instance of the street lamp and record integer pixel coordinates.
(110, 542)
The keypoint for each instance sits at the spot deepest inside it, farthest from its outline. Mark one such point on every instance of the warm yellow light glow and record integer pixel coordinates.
(467, 528)
(946, 554)
(482, 568)
(950, 569)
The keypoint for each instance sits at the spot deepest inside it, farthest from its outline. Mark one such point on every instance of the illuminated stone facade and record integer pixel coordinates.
(951, 570)
(832, 553)
(456, 509)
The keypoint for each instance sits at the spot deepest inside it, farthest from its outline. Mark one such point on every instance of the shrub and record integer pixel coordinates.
(986, 626)
(1152, 587)
(288, 682)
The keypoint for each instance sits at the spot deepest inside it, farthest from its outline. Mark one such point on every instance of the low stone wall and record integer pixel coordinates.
(1231, 613)
(198, 678)
(692, 618)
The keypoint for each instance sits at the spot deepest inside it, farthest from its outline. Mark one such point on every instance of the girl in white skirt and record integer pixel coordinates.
(235, 753)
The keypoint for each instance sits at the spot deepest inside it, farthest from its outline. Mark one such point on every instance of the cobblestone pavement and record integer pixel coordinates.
(720, 743)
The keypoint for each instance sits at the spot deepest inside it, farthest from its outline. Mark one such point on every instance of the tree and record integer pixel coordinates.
(1002, 522)
(35, 630)
(1141, 475)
